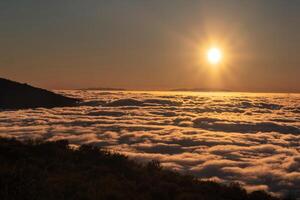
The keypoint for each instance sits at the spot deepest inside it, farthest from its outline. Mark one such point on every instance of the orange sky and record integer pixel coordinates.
(152, 44)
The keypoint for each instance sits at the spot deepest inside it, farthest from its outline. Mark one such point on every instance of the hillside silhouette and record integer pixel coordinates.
(14, 95)
(53, 170)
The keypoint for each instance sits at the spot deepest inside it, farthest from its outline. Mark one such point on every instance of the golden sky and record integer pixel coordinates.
(152, 45)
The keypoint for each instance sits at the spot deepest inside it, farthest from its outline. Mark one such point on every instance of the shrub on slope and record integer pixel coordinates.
(53, 170)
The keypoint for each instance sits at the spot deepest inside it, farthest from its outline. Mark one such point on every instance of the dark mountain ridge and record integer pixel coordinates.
(14, 95)
(54, 170)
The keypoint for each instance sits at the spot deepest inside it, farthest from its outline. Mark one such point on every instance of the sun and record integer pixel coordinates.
(214, 55)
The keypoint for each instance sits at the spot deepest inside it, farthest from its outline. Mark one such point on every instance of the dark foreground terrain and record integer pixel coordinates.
(14, 95)
(52, 170)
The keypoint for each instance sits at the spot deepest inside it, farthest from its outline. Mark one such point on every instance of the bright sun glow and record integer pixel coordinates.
(214, 55)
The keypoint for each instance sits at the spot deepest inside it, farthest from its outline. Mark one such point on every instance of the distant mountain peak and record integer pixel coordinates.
(103, 89)
(14, 95)
(201, 90)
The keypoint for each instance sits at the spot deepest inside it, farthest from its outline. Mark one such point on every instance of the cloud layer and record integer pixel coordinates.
(250, 138)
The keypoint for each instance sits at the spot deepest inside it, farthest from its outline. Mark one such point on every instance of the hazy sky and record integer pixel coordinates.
(151, 44)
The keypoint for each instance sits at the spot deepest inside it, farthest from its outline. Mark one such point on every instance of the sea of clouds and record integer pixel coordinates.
(246, 137)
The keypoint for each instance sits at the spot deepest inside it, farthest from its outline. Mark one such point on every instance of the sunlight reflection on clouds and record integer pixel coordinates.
(250, 138)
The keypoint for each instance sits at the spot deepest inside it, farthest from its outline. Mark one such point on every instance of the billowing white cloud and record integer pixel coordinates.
(250, 138)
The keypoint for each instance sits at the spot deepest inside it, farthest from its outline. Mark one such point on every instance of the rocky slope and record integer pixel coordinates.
(14, 95)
